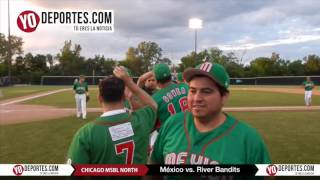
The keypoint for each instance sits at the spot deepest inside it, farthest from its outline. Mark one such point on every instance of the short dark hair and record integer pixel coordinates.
(165, 80)
(223, 91)
(111, 89)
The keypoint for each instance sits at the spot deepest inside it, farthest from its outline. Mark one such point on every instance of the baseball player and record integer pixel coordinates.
(308, 86)
(147, 82)
(204, 134)
(171, 98)
(81, 92)
(117, 136)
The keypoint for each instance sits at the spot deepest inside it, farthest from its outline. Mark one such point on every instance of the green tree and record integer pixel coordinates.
(71, 63)
(16, 49)
(296, 68)
(312, 64)
(150, 54)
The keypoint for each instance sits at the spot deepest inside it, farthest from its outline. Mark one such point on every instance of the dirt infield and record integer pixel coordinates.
(11, 112)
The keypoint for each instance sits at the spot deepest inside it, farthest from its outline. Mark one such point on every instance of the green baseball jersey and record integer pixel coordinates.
(116, 139)
(234, 142)
(80, 88)
(308, 85)
(171, 100)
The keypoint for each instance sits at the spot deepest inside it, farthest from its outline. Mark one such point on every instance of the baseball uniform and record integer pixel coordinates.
(171, 100)
(80, 96)
(234, 142)
(308, 86)
(116, 137)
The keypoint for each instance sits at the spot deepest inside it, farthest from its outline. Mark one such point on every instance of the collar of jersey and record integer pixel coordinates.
(229, 122)
(114, 112)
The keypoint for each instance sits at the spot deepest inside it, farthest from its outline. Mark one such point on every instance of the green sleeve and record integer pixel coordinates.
(258, 151)
(79, 149)
(149, 115)
(74, 86)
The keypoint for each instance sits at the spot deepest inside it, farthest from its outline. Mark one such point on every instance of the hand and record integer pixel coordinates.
(121, 73)
(142, 79)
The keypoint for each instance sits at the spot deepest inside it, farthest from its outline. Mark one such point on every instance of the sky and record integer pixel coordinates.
(250, 29)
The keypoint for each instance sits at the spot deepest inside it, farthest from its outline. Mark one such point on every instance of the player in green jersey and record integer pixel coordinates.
(117, 136)
(204, 134)
(308, 86)
(80, 89)
(171, 98)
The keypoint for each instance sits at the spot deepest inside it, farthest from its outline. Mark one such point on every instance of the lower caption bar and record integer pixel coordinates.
(171, 170)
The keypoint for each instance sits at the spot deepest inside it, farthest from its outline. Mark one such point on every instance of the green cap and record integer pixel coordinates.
(161, 71)
(214, 71)
(82, 77)
(179, 77)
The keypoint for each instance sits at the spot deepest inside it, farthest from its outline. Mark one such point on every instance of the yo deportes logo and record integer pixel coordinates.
(272, 170)
(28, 21)
(78, 21)
(18, 170)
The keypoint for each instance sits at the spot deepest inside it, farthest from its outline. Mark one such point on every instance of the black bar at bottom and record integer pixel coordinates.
(196, 170)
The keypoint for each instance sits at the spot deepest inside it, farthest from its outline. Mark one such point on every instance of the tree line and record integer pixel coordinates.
(28, 68)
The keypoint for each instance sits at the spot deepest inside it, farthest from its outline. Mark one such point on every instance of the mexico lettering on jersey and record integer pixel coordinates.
(171, 100)
(233, 142)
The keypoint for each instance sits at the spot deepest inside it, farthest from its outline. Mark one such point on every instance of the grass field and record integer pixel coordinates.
(238, 98)
(291, 137)
(64, 99)
(16, 91)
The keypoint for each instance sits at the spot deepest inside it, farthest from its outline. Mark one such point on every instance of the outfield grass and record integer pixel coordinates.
(16, 91)
(65, 99)
(39, 142)
(238, 98)
(292, 137)
(241, 98)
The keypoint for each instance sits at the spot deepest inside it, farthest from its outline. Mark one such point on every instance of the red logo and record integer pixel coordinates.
(272, 170)
(18, 170)
(28, 21)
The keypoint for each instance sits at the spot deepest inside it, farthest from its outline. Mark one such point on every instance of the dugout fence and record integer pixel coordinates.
(270, 80)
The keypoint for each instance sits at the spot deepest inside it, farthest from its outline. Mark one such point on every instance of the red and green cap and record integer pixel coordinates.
(161, 71)
(214, 71)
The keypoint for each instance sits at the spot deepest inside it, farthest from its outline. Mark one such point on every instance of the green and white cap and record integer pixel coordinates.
(214, 71)
(161, 71)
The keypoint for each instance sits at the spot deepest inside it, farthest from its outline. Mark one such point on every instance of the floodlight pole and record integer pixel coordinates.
(195, 41)
(9, 47)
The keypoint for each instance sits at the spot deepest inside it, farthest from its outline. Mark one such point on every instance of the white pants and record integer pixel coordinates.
(307, 97)
(81, 105)
(152, 140)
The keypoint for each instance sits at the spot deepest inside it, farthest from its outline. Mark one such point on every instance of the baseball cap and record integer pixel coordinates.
(82, 77)
(214, 71)
(161, 71)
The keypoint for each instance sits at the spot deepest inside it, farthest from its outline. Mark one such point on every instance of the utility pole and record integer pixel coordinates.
(9, 47)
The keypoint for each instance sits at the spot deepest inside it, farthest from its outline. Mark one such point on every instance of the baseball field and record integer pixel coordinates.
(38, 122)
